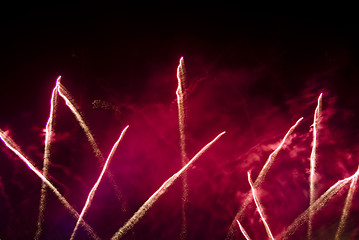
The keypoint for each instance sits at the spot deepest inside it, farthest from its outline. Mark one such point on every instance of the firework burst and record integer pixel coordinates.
(139, 211)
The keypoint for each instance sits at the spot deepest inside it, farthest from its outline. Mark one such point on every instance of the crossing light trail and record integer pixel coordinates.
(153, 198)
(181, 124)
(94, 188)
(259, 207)
(347, 205)
(316, 206)
(9, 143)
(69, 102)
(261, 176)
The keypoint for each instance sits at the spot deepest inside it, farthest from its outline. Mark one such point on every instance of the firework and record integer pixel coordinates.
(13, 147)
(181, 116)
(245, 234)
(93, 190)
(259, 180)
(153, 198)
(48, 131)
(259, 207)
(317, 205)
(181, 150)
(313, 163)
(347, 205)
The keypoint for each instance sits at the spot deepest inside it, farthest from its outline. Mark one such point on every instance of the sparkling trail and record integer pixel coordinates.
(153, 198)
(245, 234)
(313, 163)
(347, 205)
(12, 146)
(64, 94)
(94, 188)
(68, 101)
(261, 176)
(259, 207)
(317, 205)
(181, 116)
(48, 135)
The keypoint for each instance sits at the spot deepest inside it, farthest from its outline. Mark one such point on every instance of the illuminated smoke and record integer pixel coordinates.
(317, 205)
(48, 137)
(259, 208)
(12, 146)
(153, 198)
(94, 188)
(181, 124)
(347, 205)
(262, 175)
(313, 163)
(245, 234)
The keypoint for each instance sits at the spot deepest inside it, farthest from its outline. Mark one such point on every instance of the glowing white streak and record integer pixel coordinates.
(259, 208)
(317, 205)
(181, 124)
(94, 188)
(245, 234)
(347, 205)
(313, 163)
(12, 146)
(274, 154)
(48, 135)
(153, 198)
(261, 176)
(179, 94)
(63, 93)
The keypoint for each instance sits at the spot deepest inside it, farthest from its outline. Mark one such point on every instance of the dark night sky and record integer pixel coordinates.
(250, 72)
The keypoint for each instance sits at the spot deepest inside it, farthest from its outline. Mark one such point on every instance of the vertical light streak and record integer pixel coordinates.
(313, 163)
(153, 198)
(347, 205)
(48, 136)
(259, 208)
(15, 149)
(317, 205)
(245, 234)
(261, 176)
(179, 93)
(94, 188)
(181, 116)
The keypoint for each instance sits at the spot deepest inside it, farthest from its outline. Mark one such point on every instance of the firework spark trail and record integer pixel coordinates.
(313, 163)
(48, 135)
(261, 176)
(245, 234)
(153, 198)
(317, 205)
(181, 115)
(259, 208)
(66, 96)
(347, 205)
(94, 188)
(13, 147)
